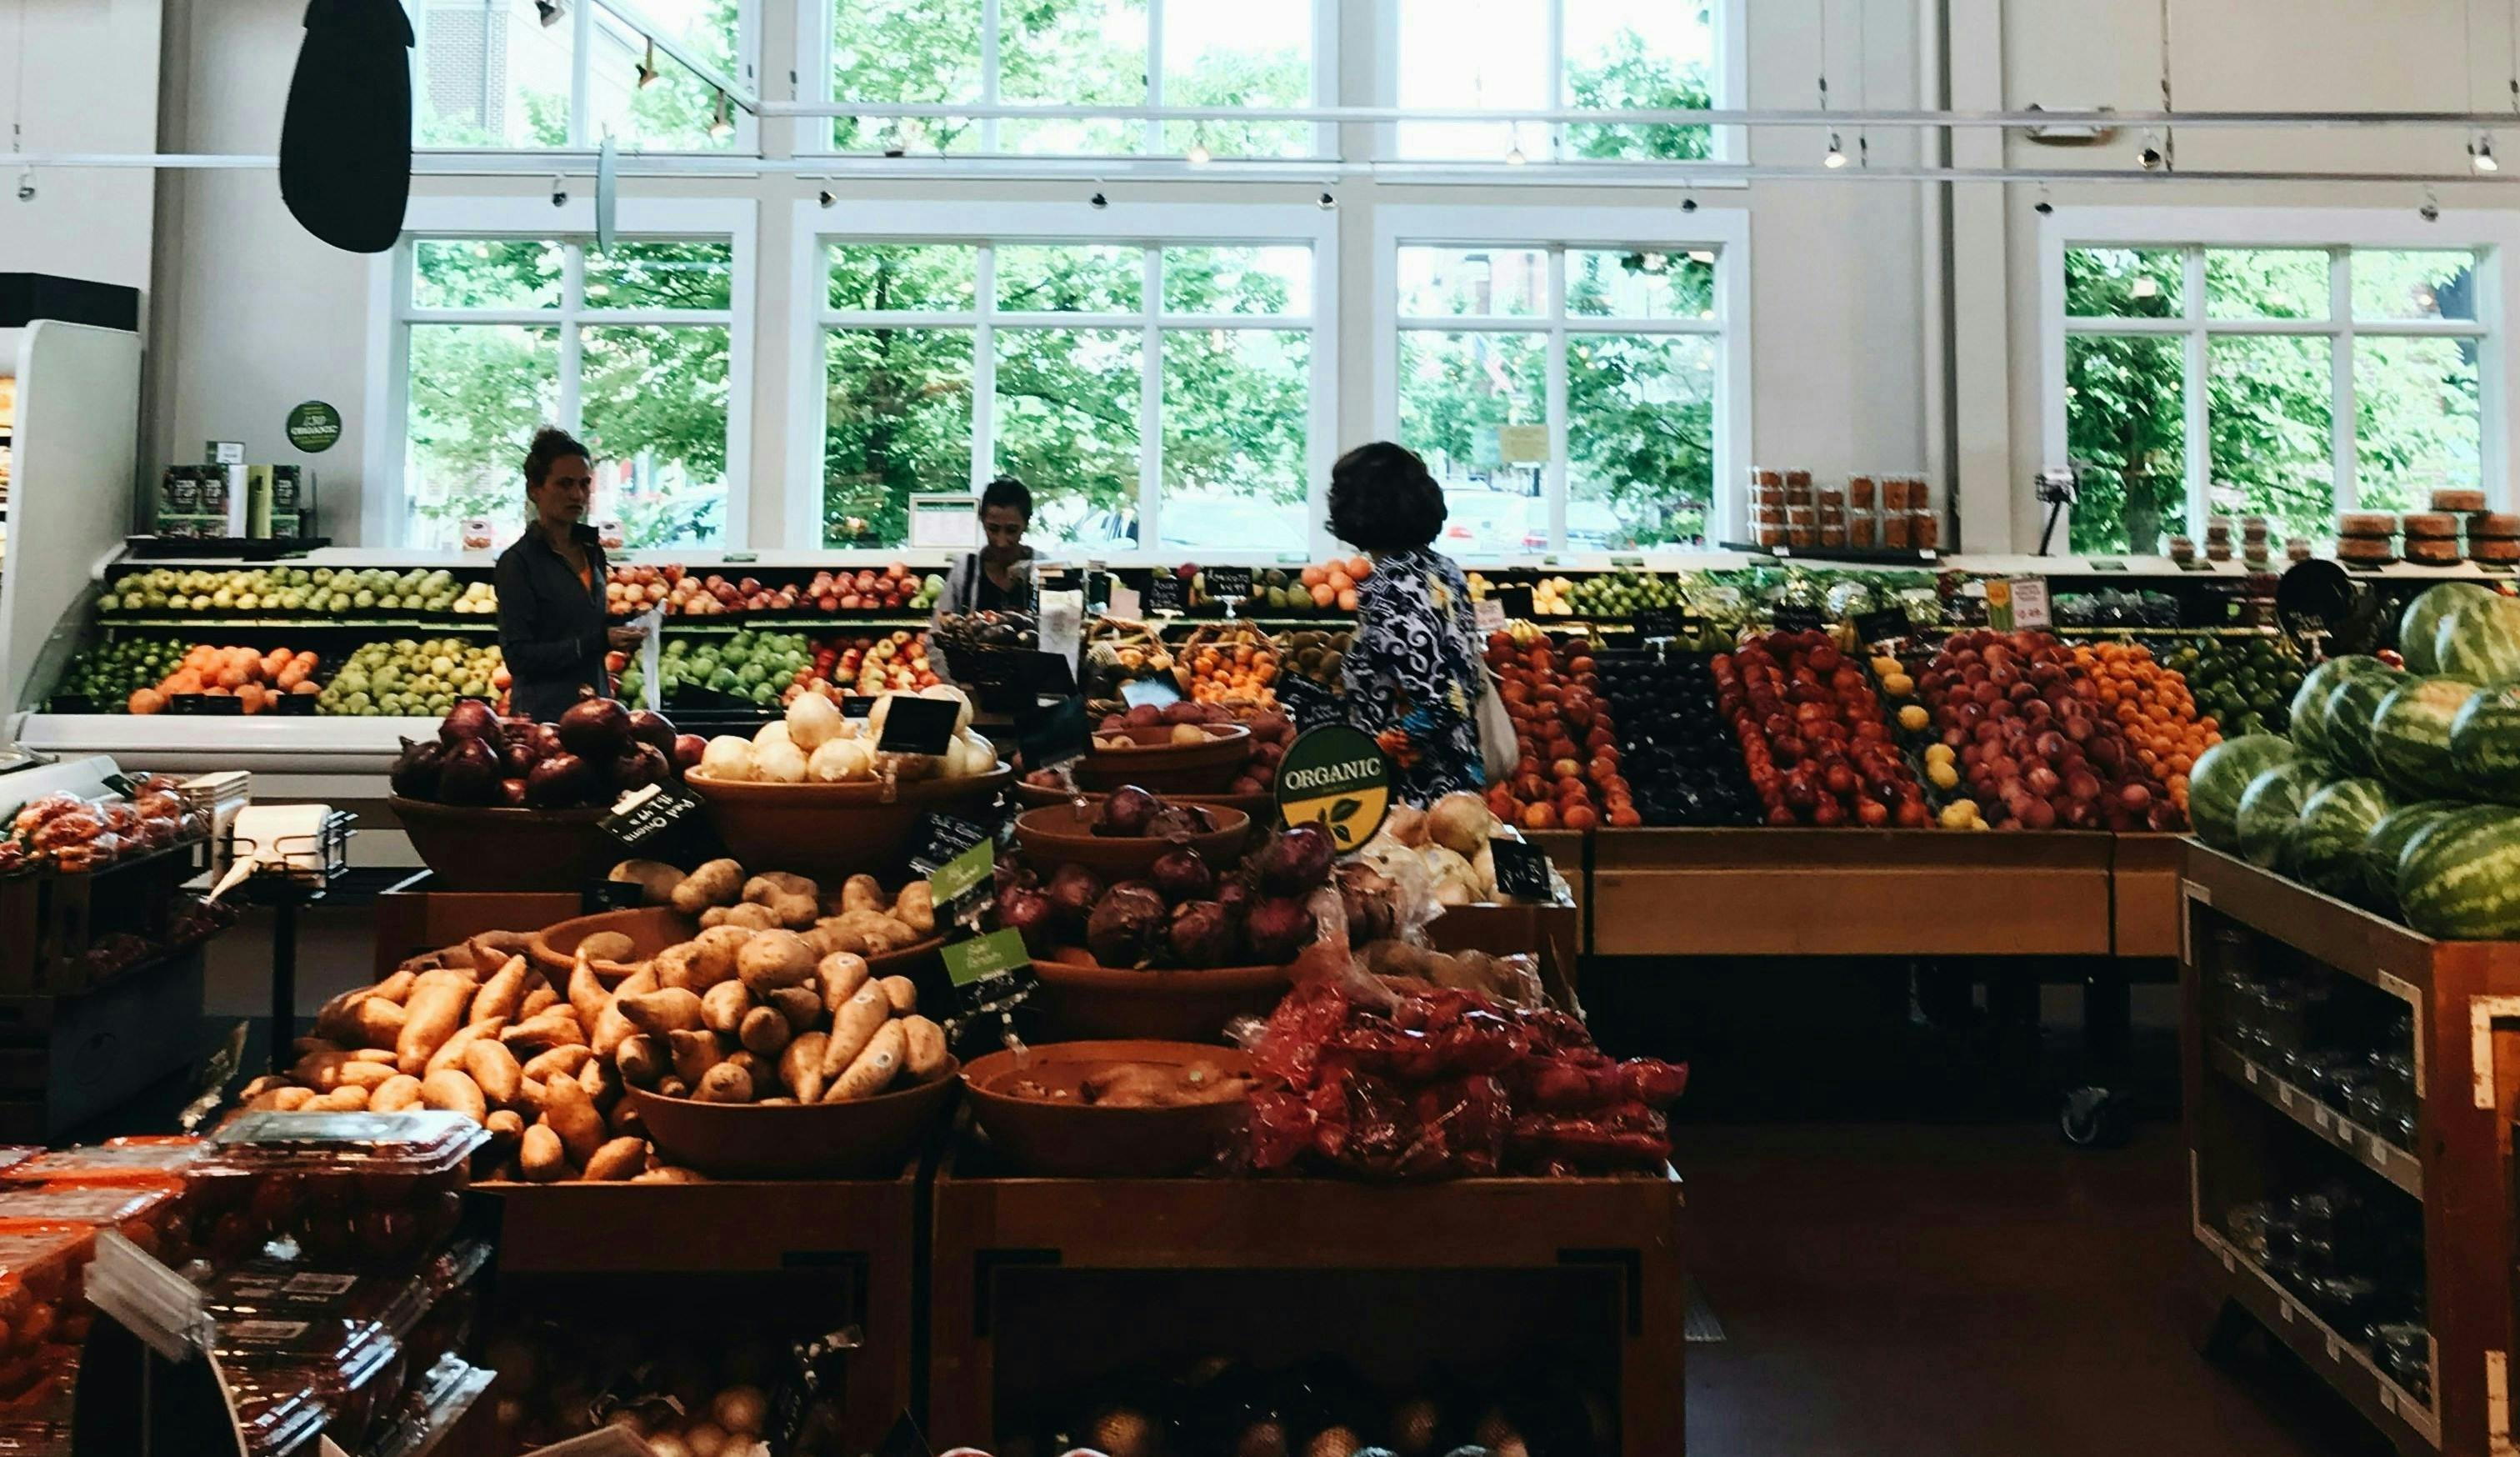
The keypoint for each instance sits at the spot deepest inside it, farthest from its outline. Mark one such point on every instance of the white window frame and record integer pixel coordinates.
(1724, 231)
(1127, 224)
(1731, 82)
(385, 501)
(813, 80)
(2336, 231)
(582, 136)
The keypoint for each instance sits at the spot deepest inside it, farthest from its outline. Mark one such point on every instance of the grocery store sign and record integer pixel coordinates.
(314, 427)
(985, 958)
(1338, 778)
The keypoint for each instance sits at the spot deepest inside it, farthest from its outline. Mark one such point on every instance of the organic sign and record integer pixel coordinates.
(1338, 778)
(314, 427)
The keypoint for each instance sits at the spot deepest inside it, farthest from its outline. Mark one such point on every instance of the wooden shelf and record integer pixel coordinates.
(207, 621)
(2333, 1128)
(2341, 1362)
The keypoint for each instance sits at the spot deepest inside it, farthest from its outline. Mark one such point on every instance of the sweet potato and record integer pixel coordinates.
(655, 879)
(601, 1082)
(451, 1053)
(399, 1094)
(717, 883)
(340, 1100)
(862, 892)
(763, 1072)
(490, 950)
(586, 992)
(801, 1067)
(503, 993)
(748, 916)
(924, 1051)
(764, 1032)
(612, 1025)
(624, 1120)
(571, 1115)
(841, 973)
(901, 994)
(434, 1014)
(556, 1028)
(559, 1061)
(395, 988)
(493, 1068)
(661, 1012)
(874, 1068)
(666, 1173)
(379, 1022)
(773, 959)
(641, 1059)
(917, 908)
(320, 1070)
(802, 1006)
(291, 1100)
(853, 1026)
(384, 1055)
(539, 998)
(455, 1092)
(716, 949)
(358, 1072)
(617, 1158)
(505, 1126)
(722, 1009)
(541, 1158)
(693, 1052)
(726, 1083)
(337, 1021)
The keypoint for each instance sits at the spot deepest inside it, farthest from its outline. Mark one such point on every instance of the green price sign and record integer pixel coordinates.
(983, 958)
(963, 874)
(314, 427)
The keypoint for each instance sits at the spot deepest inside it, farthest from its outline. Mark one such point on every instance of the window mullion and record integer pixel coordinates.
(1150, 404)
(581, 86)
(989, 56)
(1155, 140)
(1553, 476)
(1556, 63)
(2193, 383)
(2344, 451)
(984, 363)
(572, 353)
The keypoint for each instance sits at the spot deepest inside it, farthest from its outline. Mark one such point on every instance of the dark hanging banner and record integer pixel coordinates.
(345, 138)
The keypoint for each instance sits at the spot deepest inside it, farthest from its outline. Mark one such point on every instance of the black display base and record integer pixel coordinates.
(1862, 556)
(238, 548)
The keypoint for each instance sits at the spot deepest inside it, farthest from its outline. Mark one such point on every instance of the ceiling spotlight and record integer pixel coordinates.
(1199, 156)
(646, 70)
(1689, 205)
(551, 10)
(827, 198)
(2430, 212)
(27, 186)
(721, 125)
(1099, 201)
(1836, 153)
(2151, 156)
(2480, 154)
(1326, 201)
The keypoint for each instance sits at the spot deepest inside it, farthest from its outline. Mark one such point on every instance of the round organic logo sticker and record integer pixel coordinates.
(1338, 778)
(314, 427)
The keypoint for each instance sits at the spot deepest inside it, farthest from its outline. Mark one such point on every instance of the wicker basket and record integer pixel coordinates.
(1237, 648)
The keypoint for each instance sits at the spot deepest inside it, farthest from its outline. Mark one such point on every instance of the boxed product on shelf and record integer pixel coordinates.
(151, 1213)
(360, 1189)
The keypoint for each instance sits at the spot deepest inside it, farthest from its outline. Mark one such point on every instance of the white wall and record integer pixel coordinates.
(90, 75)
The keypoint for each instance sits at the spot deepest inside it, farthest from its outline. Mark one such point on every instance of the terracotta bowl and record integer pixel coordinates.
(1076, 1140)
(1263, 809)
(833, 830)
(1083, 999)
(865, 1138)
(507, 849)
(1157, 763)
(651, 928)
(1053, 835)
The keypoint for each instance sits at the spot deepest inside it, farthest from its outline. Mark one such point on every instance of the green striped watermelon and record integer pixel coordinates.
(2485, 745)
(2410, 734)
(2334, 823)
(2271, 811)
(2460, 879)
(2222, 775)
(2479, 642)
(2309, 715)
(2345, 720)
(2424, 618)
(2387, 843)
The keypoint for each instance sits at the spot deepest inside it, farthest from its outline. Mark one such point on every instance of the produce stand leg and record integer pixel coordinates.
(873, 1404)
(2108, 1016)
(1651, 1384)
(284, 981)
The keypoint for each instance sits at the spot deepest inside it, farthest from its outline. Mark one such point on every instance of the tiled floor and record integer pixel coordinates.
(1951, 1291)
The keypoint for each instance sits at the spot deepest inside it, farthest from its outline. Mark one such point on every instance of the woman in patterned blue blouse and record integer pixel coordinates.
(1412, 671)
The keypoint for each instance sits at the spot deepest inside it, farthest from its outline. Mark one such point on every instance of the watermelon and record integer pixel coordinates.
(2410, 734)
(2460, 879)
(2479, 642)
(2271, 812)
(2485, 745)
(2308, 715)
(2423, 616)
(2387, 843)
(2345, 719)
(2334, 823)
(2222, 775)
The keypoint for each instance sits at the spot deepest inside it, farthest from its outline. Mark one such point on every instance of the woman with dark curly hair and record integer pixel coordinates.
(1413, 674)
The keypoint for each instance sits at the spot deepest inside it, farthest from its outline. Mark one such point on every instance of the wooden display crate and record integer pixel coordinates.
(68, 1059)
(2145, 910)
(1773, 891)
(1618, 1239)
(2251, 1126)
(412, 918)
(859, 1237)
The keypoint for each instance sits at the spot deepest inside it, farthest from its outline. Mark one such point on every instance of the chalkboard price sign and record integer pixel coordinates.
(1229, 583)
(662, 822)
(1165, 593)
(1888, 625)
(1791, 619)
(1522, 871)
(918, 725)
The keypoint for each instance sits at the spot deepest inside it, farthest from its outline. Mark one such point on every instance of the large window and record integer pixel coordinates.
(1546, 55)
(1157, 394)
(1568, 395)
(496, 74)
(638, 350)
(2270, 378)
(1077, 53)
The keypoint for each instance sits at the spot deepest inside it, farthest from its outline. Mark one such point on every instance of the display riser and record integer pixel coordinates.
(69, 1060)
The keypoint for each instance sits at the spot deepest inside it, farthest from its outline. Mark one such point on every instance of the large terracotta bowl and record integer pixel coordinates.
(1081, 998)
(1263, 809)
(471, 849)
(1068, 1139)
(1054, 835)
(1156, 763)
(862, 1138)
(831, 832)
(651, 928)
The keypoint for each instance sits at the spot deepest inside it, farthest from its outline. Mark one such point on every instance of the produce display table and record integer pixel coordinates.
(414, 917)
(1600, 1247)
(2258, 1127)
(854, 1240)
(2143, 894)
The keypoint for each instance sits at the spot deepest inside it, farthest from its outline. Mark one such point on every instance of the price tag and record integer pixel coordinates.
(918, 725)
(293, 705)
(2321, 1119)
(662, 822)
(739, 559)
(2104, 565)
(1166, 593)
(1522, 871)
(205, 705)
(1229, 583)
(1790, 619)
(1664, 622)
(2284, 1096)
(2250, 1072)
(936, 840)
(2030, 602)
(1126, 603)
(966, 873)
(986, 957)
(856, 705)
(1158, 690)
(1306, 702)
(1888, 625)
(1053, 736)
(1633, 563)
(1487, 615)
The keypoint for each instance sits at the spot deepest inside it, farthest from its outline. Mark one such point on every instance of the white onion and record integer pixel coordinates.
(727, 757)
